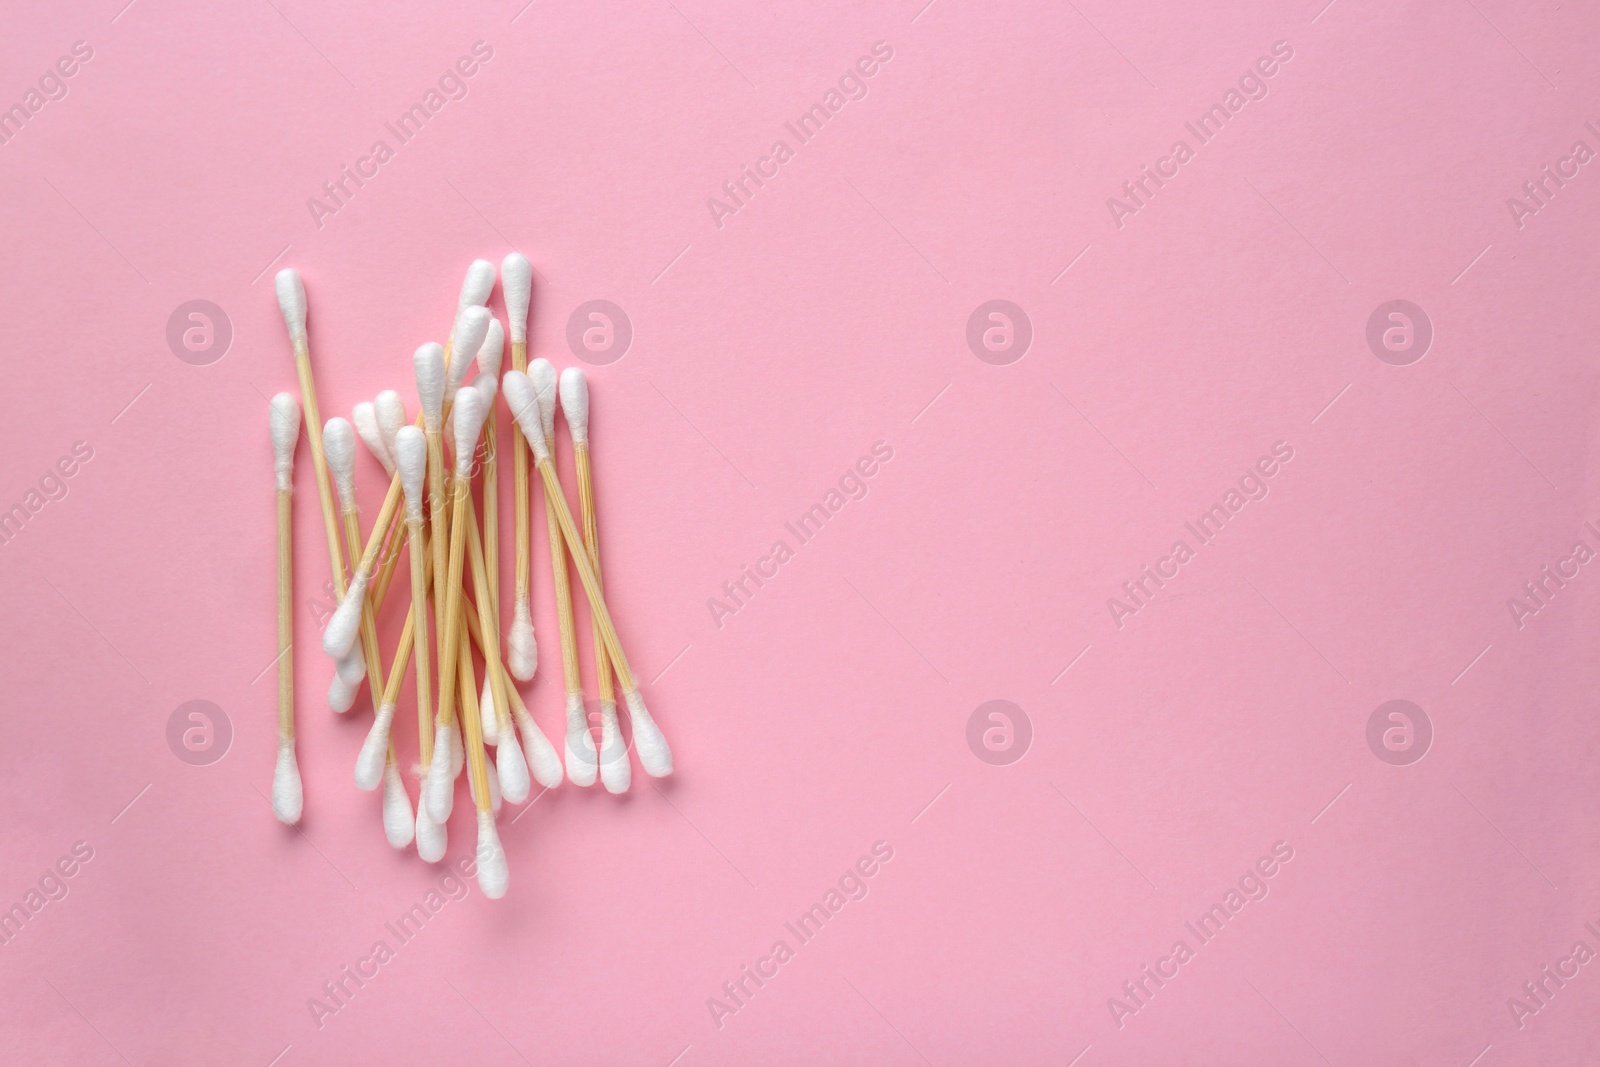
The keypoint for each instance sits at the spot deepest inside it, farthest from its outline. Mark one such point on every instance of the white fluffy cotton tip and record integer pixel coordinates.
(615, 771)
(477, 285)
(654, 755)
(339, 445)
(575, 404)
(547, 384)
(543, 760)
(411, 459)
(365, 417)
(486, 387)
(285, 435)
(491, 722)
(516, 283)
(458, 751)
(472, 326)
(431, 836)
(523, 401)
(391, 416)
(292, 302)
(341, 695)
(287, 798)
(493, 350)
(581, 759)
(494, 877)
(513, 767)
(429, 365)
(374, 751)
(439, 788)
(522, 658)
(398, 825)
(468, 415)
(339, 636)
(351, 667)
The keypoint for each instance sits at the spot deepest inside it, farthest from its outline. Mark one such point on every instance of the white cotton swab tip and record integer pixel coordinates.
(439, 788)
(493, 349)
(398, 825)
(654, 755)
(411, 459)
(432, 837)
(375, 751)
(615, 771)
(490, 721)
(494, 877)
(486, 385)
(341, 695)
(339, 636)
(523, 658)
(285, 435)
(575, 404)
(339, 445)
(429, 365)
(472, 326)
(477, 285)
(546, 383)
(513, 767)
(292, 302)
(516, 284)
(365, 417)
(581, 760)
(469, 413)
(542, 757)
(288, 800)
(391, 412)
(523, 401)
(351, 667)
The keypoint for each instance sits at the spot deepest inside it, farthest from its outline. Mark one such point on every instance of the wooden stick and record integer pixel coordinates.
(556, 503)
(448, 651)
(615, 771)
(419, 610)
(285, 614)
(521, 503)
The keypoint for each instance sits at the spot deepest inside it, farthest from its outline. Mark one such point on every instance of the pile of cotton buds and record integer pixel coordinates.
(431, 519)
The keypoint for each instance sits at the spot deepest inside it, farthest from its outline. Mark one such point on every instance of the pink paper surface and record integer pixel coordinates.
(1158, 747)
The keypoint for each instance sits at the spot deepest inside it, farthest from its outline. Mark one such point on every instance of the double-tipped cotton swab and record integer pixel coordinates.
(581, 757)
(615, 771)
(439, 790)
(522, 650)
(288, 799)
(493, 875)
(523, 400)
(292, 302)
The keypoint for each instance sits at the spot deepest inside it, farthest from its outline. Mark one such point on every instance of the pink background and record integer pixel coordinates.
(1167, 755)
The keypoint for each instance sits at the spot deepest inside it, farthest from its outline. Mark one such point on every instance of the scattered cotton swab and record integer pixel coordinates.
(580, 751)
(615, 771)
(522, 649)
(288, 800)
